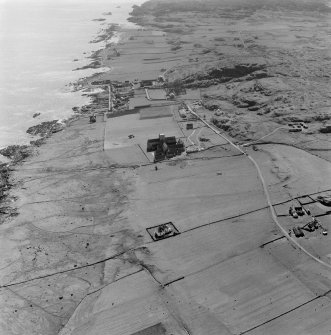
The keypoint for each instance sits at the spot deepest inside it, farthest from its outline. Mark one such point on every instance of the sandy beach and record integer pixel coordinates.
(81, 206)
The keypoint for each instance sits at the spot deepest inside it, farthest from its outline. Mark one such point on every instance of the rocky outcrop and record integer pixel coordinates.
(99, 20)
(106, 34)
(224, 72)
(38, 142)
(213, 104)
(250, 100)
(45, 128)
(4, 178)
(5, 186)
(16, 152)
(93, 65)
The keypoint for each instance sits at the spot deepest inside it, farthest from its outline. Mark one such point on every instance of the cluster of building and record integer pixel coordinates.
(297, 126)
(165, 147)
(309, 215)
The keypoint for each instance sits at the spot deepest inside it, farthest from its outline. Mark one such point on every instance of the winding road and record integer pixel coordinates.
(273, 214)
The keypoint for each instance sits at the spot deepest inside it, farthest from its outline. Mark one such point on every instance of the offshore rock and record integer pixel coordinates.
(44, 128)
(16, 152)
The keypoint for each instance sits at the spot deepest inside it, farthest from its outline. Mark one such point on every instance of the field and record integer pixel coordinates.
(77, 257)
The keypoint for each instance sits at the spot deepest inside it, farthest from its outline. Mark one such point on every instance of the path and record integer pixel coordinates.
(261, 138)
(273, 214)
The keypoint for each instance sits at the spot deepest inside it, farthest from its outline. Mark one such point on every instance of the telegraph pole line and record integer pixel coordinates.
(110, 102)
(108, 83)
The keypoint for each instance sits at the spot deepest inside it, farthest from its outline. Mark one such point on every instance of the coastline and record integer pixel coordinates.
(19, 157)
(13, 155)
(59, 43)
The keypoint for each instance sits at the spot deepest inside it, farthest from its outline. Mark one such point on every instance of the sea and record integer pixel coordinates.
(41, 43)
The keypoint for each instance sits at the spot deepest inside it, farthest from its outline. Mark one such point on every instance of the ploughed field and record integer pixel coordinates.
(80, 248)
(257, 64)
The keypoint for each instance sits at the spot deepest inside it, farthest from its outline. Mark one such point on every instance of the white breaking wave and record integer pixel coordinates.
(41, 43)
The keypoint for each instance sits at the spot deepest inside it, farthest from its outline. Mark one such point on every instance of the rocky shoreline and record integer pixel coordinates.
(18, 153)
(229, 76)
